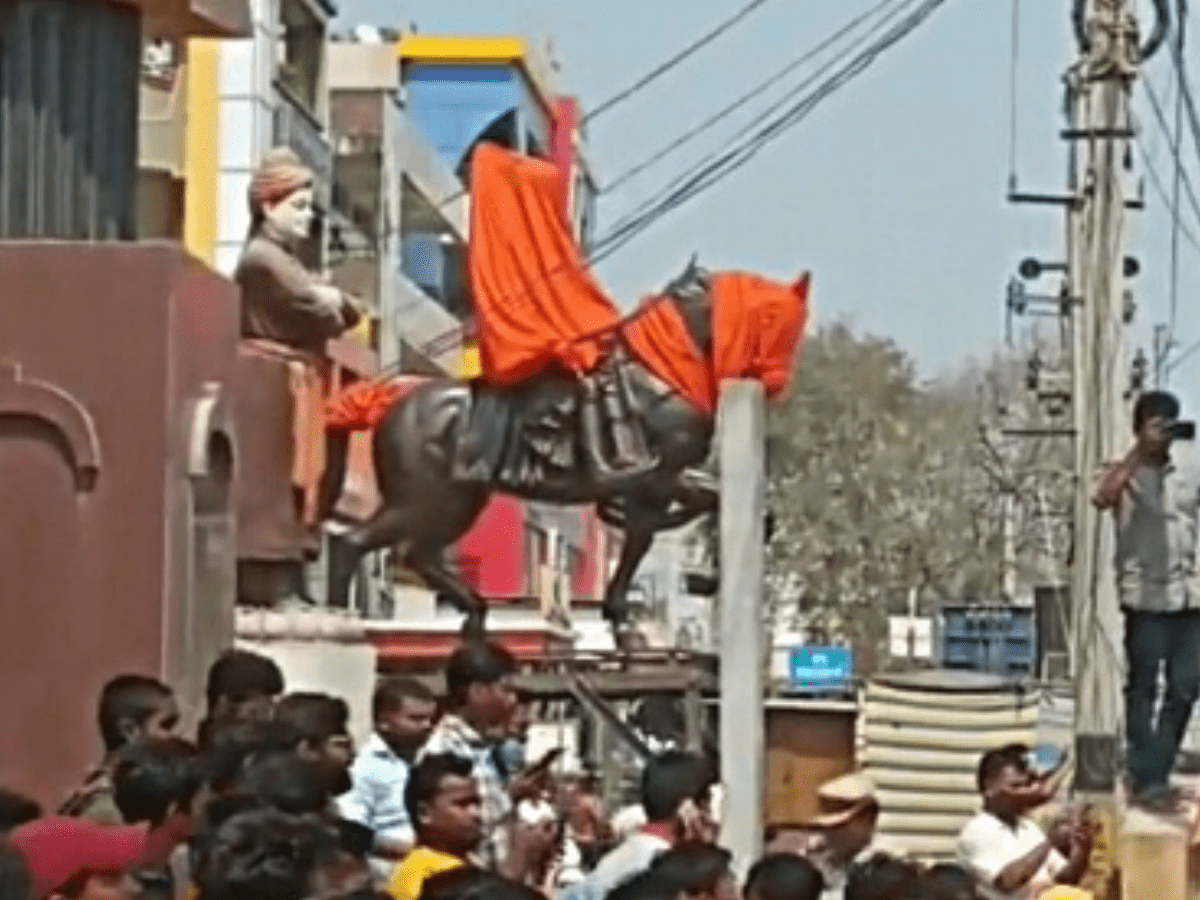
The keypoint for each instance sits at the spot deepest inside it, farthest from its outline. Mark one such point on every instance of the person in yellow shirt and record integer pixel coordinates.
(444, 806)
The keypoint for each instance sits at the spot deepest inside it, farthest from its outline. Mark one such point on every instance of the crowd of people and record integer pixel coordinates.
(273, 802)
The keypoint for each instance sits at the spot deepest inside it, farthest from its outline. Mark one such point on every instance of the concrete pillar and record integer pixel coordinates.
(1153, 857)
(741, 449)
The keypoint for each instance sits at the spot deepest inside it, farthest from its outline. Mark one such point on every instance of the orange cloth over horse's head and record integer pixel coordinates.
(758, 324)
(280, 174)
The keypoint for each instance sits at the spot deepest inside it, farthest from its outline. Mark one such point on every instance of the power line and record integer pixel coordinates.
(725, 111)
(716, 155)
(1160, 188)
(1180, 37)
(740, 155)
(1161, 118)
(661, 69)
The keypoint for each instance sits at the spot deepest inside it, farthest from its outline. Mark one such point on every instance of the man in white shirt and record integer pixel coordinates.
(403, 710)
(1005, 850)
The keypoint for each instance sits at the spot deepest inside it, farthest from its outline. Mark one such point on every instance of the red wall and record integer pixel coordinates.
(492, 553)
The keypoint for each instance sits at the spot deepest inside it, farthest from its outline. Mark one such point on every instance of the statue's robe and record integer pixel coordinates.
(282, 383)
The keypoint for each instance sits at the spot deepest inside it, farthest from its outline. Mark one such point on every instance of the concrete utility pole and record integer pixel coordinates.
(741, 439)
(1099, 85)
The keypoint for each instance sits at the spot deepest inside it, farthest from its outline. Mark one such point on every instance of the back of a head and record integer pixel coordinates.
(476, 662)
(469, 883)
(288, 783)
(152, 778)
(241, 675)
(692, 867)
(264, 855)
(318, 717)
(643, 886)
(16, 809)
(884, 877)
(950, 882)
(15, 880)
(671, 778)
(233, 744)
(127, 700)
(784, 876)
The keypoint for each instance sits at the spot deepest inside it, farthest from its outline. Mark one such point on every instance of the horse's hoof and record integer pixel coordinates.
(627, 639)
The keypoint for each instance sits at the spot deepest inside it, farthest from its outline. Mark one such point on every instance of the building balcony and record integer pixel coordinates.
(295, 127)
(426, 326)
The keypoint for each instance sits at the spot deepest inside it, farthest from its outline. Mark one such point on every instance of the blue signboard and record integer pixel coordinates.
(821, 668)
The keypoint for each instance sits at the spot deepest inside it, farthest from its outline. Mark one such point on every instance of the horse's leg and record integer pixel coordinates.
(638, 527)
(337, 452)
(430, 564)
(385, 528)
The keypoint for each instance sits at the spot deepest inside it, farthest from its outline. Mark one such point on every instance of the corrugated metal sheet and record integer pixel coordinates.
(924, 737)
(68, 119)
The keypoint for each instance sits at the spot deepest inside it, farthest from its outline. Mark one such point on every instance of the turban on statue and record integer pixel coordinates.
(279, 174)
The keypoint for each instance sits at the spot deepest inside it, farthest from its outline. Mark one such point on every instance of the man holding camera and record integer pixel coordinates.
(1156, 504)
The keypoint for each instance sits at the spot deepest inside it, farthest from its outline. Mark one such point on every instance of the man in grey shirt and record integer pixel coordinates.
(1156, 503)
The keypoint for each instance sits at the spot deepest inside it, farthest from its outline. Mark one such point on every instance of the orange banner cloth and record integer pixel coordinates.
(536, 304)
(362, 405)
(757, 327)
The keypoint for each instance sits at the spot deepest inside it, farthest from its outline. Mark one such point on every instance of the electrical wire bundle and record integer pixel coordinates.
(769, 125)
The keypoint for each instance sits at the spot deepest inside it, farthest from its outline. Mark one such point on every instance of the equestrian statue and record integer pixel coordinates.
(575, 404)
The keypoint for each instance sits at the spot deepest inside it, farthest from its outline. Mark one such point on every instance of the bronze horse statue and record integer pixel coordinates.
(427, 505)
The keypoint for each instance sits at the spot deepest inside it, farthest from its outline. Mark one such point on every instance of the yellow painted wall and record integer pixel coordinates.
(201, 141)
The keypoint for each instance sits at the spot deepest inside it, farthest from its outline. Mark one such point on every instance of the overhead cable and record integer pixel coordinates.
(724, 112)
(664, 67)
(733, 160)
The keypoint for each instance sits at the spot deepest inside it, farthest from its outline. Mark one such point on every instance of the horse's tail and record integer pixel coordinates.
(361, 406)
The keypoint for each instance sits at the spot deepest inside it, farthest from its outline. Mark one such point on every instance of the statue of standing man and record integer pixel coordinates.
(288, 315)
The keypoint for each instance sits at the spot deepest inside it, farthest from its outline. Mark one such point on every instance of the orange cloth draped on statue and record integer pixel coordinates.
(362, 405)
(536, 303)
(308, 382)
(757, 326)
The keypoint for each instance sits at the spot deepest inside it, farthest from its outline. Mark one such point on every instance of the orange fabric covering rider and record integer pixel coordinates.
(537, 306)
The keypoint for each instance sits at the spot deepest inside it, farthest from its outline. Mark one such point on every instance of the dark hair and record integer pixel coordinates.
(391, 693)
(950, 882)
(996, 761)
(128, 699)
(151, 779)
(232, 744)
(318, 717)
(288, 783)
(692, 867)
(16, 809)
(263, 854)
(784, 876)
(643, 886)
(15, 881)
(476, 662)
(883, 877)
(470, 883)
(425, 780)
(671, 778)
(241, 675)
(1154, 405)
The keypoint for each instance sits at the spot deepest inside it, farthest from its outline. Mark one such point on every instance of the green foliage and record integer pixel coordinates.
(882, 485)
